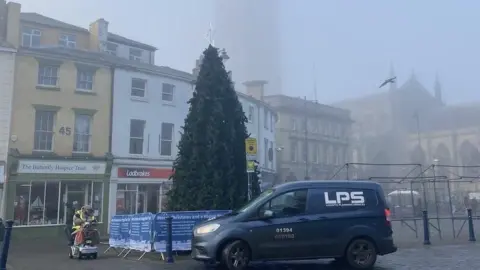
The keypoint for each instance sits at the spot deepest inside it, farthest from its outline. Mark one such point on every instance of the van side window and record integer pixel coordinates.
(335, 200)
(287, 204)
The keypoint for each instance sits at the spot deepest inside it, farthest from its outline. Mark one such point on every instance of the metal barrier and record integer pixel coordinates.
(6, 245)
(445, 192)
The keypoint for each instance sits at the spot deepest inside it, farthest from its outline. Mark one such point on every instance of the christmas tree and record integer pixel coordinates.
(210, 168)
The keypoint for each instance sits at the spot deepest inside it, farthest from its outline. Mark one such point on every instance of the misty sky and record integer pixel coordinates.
(351, 42)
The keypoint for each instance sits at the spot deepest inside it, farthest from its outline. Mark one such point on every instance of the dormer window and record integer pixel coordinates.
(111, 48)
(135, 54)
(67, 40)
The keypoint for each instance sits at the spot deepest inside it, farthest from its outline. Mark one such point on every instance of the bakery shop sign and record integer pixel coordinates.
(162, 173)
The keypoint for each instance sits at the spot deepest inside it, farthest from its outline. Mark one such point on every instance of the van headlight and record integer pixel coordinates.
(207, 229)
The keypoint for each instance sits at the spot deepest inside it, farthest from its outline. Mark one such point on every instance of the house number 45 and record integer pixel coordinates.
(66, 131)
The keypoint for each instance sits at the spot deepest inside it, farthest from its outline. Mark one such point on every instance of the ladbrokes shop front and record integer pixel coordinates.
(39, 189)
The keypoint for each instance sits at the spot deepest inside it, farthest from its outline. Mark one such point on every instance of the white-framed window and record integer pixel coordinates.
(315, 154)
(166, 139)
(270, 149)
(111, 48)
(85, 80)
(82, 133)
(137, 130)
(68, 40)
(168, 91)
(135, 54)
(294, 151)
(47, 75)
(139, 88)
(251, 113)
(265, 151)
(272, 122)
(305, 151)
(320, 153)
(294, 124)
(44, 126)
(31, 37)
(265, 118)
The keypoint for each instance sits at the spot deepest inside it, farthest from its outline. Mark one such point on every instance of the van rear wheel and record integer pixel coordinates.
(361, 254)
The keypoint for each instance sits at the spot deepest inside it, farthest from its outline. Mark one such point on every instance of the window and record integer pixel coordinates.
(137, 129)
(289, 204)
(82, 133)
(166, 139)
(135, 54)
(85, 80)
(320, 154)
(31, 37)
(139, 87)
(265, 150)
(315, 154)
(111, 48)
(43, 203)
(304, 124)
(265, 118)
(251, 113)
(167, 92)
(44, 125)
(271, 122)
(317, 199)
(314, 126)
(294, 124)
(67, 40)
(294, 151)
(47, 75)
(271, 150)
(141, 198)
(305, 151)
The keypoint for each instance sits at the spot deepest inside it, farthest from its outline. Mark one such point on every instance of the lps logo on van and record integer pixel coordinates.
(342, 198)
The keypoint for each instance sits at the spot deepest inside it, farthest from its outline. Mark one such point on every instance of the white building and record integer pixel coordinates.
(149, 108)
(7, 68)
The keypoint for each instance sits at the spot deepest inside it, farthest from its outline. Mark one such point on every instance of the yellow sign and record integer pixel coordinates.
(250, 166)
(251, 146)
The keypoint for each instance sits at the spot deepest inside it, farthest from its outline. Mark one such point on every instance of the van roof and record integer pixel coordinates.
(329, 183)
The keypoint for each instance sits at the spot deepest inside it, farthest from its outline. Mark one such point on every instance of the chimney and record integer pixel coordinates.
(98, 35)
(256, 89)
(438, 89)
(3, 19)
(12, 28)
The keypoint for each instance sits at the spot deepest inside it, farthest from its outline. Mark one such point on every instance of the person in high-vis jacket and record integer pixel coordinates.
(79, 218)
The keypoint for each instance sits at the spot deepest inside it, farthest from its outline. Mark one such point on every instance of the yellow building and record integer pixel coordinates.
(60, 128)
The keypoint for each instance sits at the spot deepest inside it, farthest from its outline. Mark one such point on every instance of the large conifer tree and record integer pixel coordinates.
(210, 169)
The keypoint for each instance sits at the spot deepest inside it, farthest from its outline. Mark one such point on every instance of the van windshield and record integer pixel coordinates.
(256, 201)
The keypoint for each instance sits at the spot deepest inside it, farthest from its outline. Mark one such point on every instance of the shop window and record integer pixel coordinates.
(141, 198)
(43, 203)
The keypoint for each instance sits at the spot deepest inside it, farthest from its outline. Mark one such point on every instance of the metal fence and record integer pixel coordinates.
(445, 191)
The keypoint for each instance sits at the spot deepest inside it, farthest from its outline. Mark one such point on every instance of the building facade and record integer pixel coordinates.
(312, 138)
(149, 109)
(7, 69)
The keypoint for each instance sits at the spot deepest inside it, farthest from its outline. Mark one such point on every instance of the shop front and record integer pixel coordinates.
(39, 192)
(136, 190)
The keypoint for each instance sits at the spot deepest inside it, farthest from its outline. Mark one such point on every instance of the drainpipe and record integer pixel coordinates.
(112, 87)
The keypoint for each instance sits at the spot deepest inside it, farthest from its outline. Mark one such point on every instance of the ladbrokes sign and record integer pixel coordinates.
(163, 173)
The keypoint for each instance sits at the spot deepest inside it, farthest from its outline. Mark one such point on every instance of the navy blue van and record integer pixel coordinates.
(345, 220)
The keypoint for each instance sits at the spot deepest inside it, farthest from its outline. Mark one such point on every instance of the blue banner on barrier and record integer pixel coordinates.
(145, 232)
(141, 232)
(182, 227)
(120, 231)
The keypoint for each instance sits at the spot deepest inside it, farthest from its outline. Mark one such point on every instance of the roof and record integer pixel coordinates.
(106, 60)
(328, 183)
(450, 118)
(256, 101)
(36, 18)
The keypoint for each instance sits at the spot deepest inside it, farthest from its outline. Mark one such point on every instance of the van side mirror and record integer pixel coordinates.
(267, 214)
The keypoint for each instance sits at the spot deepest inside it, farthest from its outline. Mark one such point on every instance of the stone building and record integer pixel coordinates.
(410, 125)
(312, 139)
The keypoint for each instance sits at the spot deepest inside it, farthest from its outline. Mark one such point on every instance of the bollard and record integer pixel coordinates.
(471, 232)
(426, 228)
(169, 240)
(6, 245)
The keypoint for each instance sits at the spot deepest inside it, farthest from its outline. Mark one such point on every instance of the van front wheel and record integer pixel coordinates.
(236, 255)
(361, 254)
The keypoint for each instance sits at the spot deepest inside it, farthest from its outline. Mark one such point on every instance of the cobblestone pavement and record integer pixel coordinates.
(54, 257)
